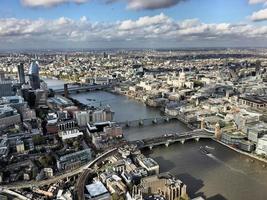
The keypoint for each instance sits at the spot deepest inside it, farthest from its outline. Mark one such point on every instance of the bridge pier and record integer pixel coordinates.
(182, 141)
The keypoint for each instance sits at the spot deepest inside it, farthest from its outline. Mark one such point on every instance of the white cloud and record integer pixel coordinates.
(151, 4)
(49, 3)
(159, 30)
(257, 1)
(144, 22)
(259, 15)
(148, 4)
(131, 4)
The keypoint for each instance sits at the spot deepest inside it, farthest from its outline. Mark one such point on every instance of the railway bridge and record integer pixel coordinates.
(81, 88)
(64, 176)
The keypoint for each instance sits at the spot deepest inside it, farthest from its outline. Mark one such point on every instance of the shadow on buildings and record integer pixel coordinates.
(166, 165)
(217, 197)
(193, 184)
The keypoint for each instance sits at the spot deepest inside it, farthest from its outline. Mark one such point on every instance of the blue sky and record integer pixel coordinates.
(210, 11)
(215, 21)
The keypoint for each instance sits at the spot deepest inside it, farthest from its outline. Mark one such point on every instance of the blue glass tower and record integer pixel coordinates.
(34, 75)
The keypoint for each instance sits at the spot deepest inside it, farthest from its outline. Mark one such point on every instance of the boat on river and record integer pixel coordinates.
(203, 150)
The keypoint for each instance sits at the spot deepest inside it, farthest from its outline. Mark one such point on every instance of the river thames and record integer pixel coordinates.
(222, 174)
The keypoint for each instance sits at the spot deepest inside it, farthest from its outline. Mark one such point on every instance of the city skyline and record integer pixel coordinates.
(46, 24)
(137, 124)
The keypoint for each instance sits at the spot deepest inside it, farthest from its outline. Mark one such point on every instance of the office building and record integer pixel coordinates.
(48, 172)
(232, 138)
(20, 146)
(4, 147)
(70, 134)
(88, 116)
(247, 146)
(40, 98)
(82, 118)
(66, 125)
(113, 131)
(59, 102)
(97, 191)
(8, 116)
(2, 75)
(253, 101)
(102, 115)
(6, 88)
(149, 164)
(21, 73)
(52, 118)
(28, 114)
(261, 148)
(165, 185)
(34, 75)
(101, 80)
(16, 102)
(74, 160)
(116, 186)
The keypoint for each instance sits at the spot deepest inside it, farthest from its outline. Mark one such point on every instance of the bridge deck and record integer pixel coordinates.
(82, 88)
(171, 138)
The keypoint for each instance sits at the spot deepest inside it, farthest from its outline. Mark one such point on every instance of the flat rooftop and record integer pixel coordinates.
(96, 189)
(149, 162)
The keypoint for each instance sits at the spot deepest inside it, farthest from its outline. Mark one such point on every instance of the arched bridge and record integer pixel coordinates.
(146, 122)
(168, 139)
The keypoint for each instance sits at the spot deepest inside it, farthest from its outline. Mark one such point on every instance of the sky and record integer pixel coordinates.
(48, 24)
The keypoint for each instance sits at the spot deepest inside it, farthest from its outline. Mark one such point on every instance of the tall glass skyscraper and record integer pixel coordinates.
(21, 73)
(34, 75)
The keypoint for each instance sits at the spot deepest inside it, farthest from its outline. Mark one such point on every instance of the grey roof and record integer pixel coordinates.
(96, 189)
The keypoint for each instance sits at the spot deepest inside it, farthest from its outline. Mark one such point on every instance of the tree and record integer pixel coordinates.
(198, 84)
(46, 161)
(76, 144)
(38, 139)
(115, 196)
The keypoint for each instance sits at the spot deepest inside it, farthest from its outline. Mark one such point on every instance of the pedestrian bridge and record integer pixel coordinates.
(168, 139)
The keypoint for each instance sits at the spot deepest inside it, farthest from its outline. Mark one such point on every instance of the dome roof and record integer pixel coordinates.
(34, 68)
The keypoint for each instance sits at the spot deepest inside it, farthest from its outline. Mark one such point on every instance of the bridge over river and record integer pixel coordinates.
(82, 88)
(153, 121)
(145, 122)
(168, 139)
